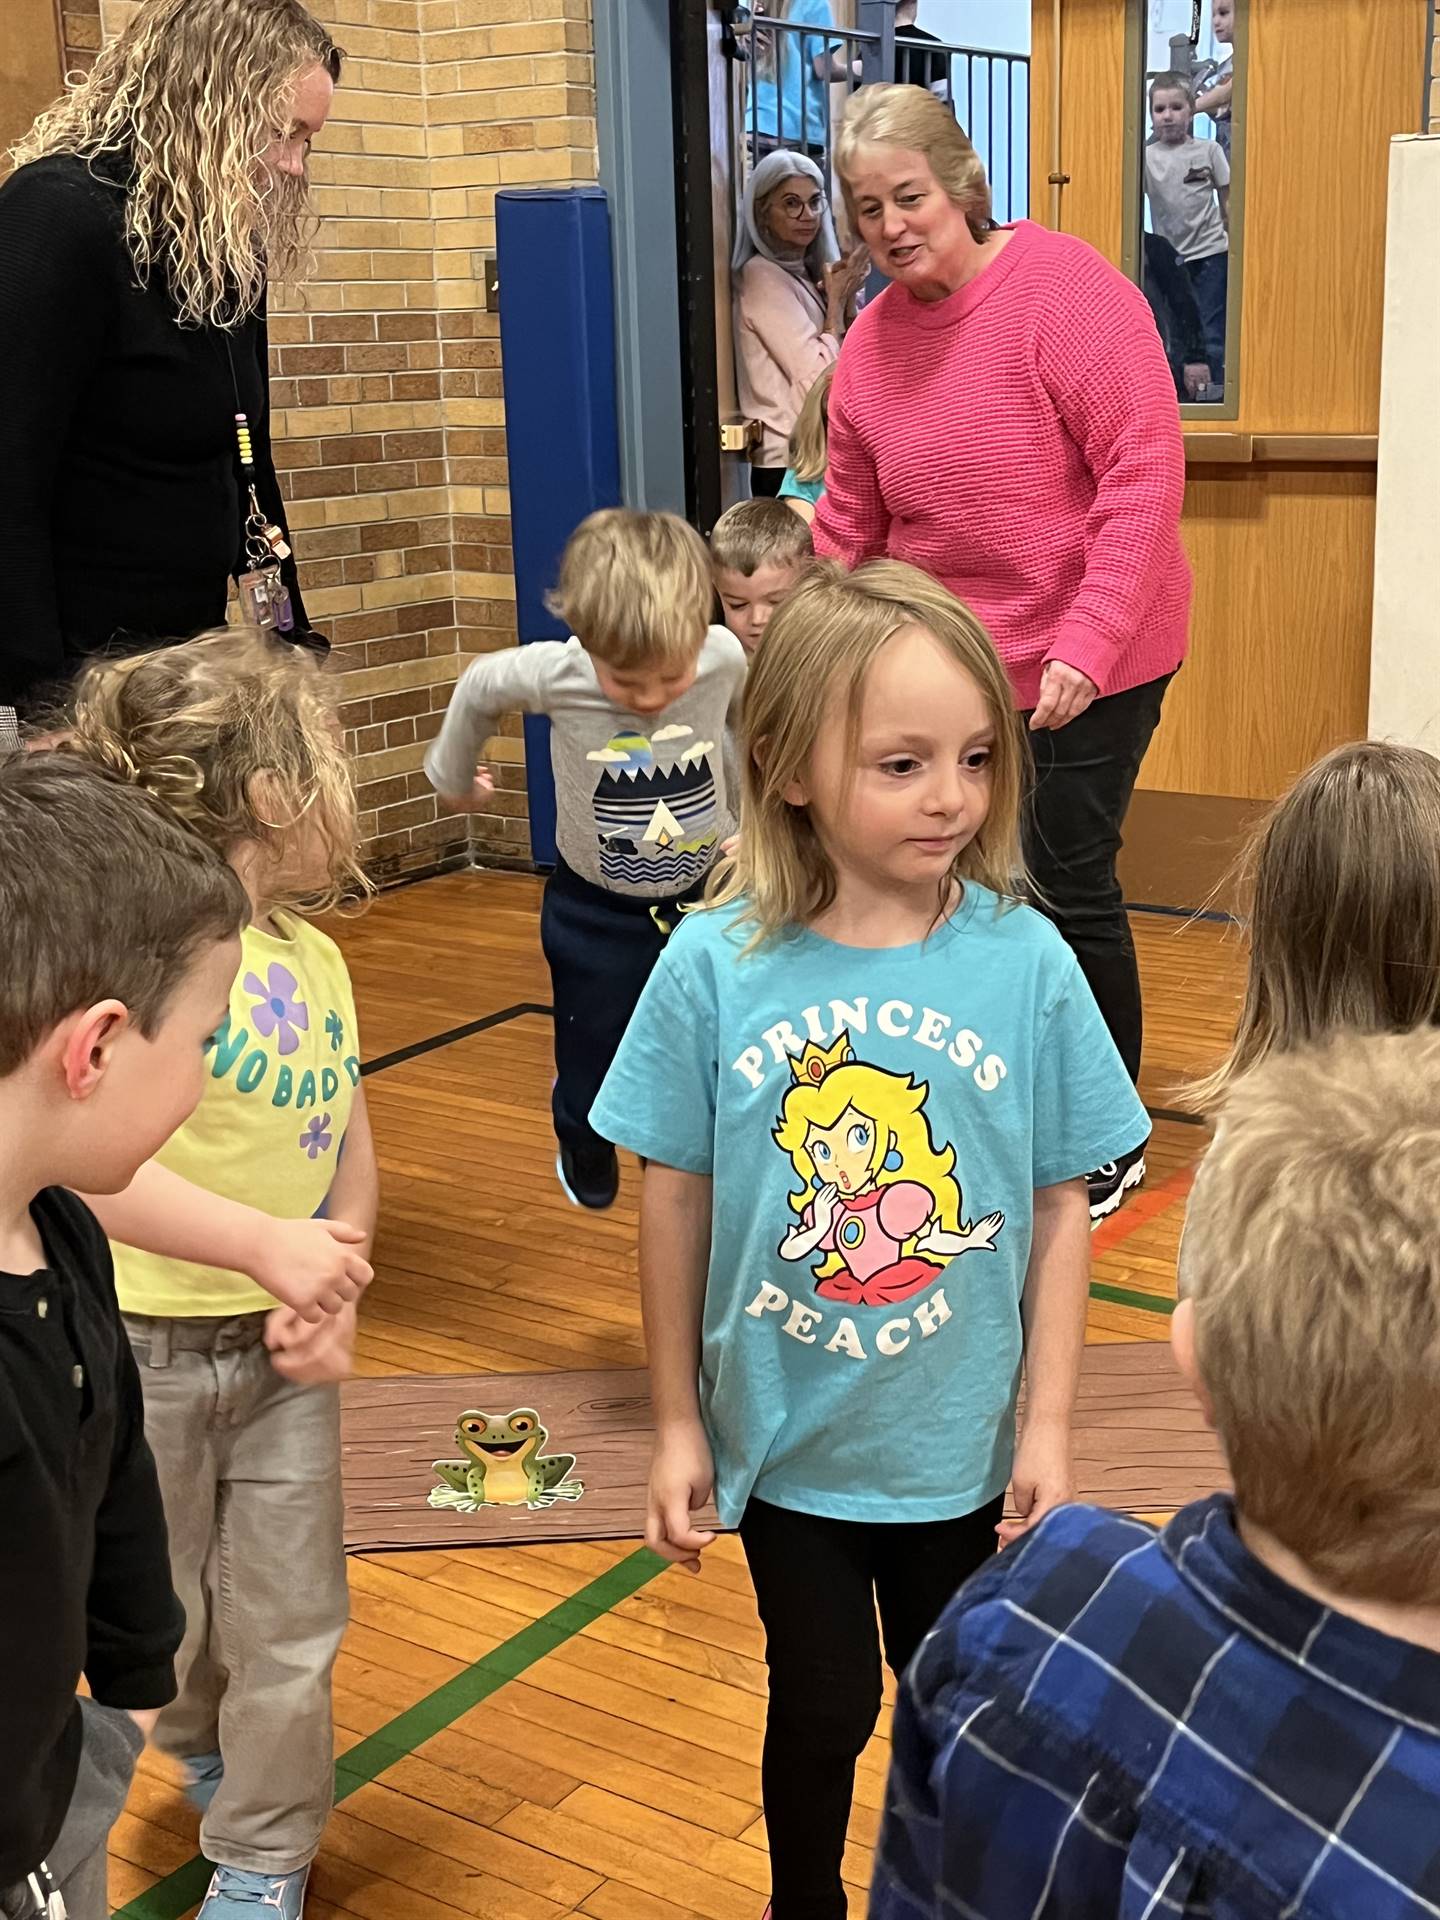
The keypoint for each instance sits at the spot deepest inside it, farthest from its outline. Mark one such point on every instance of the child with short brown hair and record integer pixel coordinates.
(641, 700)
(757, 550)
(119, 937)
(1239, 1716)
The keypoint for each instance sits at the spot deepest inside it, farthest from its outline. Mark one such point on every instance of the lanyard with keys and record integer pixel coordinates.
(264, 597)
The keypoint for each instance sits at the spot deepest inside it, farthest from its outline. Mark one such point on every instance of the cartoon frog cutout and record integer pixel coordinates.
(503, 1465)
(878, 1201)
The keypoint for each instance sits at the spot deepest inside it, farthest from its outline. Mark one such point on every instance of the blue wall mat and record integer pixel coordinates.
(557, 347)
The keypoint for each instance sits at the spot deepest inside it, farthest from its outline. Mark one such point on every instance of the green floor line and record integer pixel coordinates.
(368, 1758)
(1124, 1297)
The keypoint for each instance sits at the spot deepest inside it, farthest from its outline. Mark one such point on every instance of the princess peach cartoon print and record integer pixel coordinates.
(878, 1201)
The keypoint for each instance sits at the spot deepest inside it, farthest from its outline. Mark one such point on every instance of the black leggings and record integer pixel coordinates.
(818, 1583)
(1084, 777)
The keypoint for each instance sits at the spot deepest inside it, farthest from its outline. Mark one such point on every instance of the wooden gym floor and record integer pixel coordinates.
(525, 1733)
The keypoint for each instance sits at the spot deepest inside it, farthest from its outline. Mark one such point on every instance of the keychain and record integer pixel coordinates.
(264, 597)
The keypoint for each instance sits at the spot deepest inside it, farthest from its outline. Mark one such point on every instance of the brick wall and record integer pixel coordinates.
(80, 24)
(388, 421)
(510, 102)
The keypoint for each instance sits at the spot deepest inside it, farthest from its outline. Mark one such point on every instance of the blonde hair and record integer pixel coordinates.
(820, 646)
(635, 589)
(1312, 1256)
(1343, 879)
(758, 533)
(1172, 83)
(189, 98)
(240, 737)
(911, 117)
(895, 1102)
(810, 440)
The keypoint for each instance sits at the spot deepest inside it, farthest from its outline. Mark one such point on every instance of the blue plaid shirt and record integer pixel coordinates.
(1110, 1722)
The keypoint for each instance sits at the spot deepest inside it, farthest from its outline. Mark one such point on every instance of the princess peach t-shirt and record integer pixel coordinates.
(875, 1123)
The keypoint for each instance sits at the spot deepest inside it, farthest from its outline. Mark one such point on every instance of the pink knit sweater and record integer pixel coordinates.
(1020, 441)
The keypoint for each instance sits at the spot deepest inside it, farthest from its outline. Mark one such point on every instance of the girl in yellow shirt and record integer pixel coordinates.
(255, 1222)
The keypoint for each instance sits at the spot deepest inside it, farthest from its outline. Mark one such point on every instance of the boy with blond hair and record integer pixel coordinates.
(642, 701)
(1240, 1716)
(758, 551)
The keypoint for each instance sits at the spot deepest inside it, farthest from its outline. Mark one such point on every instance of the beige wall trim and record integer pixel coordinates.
(1282, 449)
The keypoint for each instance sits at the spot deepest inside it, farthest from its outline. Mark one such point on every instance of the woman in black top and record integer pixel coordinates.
(145, 214)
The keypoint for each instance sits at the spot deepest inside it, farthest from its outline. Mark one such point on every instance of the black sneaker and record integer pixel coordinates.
(1110, 1184)
(590, 1176)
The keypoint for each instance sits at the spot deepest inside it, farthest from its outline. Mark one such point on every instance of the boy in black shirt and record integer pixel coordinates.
(118, 945)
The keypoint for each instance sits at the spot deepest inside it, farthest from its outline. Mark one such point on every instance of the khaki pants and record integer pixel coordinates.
(250, 1473)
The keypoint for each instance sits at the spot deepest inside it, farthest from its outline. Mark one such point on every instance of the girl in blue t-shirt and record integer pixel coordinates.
(804, 480)
(868, 1083)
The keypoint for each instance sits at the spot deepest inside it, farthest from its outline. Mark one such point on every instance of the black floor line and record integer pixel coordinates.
(438, 1040)
(472, 1027)
(1184, 913)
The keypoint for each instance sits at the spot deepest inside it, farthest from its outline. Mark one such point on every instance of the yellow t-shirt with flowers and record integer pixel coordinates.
(270, 1126)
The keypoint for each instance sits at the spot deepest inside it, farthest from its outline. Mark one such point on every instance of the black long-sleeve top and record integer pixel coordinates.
(84, 1556)
(120, 497)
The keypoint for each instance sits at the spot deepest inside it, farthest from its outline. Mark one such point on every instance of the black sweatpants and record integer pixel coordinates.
(818, 1583)
(1084, 777)
(600, 948)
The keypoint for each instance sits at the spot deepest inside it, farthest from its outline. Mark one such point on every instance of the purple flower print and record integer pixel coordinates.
(315, 1140)
(279, 1009)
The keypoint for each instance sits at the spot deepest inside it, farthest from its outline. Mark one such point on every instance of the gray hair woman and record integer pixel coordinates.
(794, 297)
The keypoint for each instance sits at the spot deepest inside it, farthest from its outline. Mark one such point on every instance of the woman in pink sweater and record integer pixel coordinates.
(1003, 417)
(794, 297)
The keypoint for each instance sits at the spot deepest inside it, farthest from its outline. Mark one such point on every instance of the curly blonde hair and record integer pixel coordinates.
(240, 737)
(190, 97)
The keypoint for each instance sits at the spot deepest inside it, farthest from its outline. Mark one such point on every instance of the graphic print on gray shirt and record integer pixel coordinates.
(641, 804)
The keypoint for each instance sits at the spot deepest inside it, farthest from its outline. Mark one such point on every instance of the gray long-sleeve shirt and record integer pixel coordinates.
(641, 804)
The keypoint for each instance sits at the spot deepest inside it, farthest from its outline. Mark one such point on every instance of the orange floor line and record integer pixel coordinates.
(1146, 1206)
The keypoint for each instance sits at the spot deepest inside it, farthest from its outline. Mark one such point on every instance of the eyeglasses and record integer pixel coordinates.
(794, 205)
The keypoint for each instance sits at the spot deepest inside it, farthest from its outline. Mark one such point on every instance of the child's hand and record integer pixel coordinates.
(311, 1265)
(308, 1355)
(478, 798)
(682, 1478)
(1043, 1476)
(727, 847)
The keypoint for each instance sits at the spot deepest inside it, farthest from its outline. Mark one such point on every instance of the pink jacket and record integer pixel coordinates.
(779, 350)
(1020, 441)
